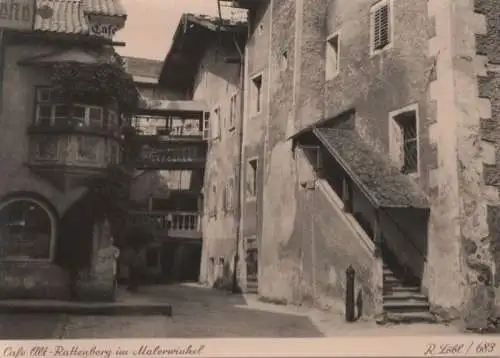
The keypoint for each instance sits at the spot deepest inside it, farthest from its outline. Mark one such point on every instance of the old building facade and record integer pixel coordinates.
(205, 65)
(55, 137)
(369, 141)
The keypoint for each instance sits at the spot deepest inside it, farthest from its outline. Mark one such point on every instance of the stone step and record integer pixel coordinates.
(404, 306)
(399, 287)
(409, 317)
(404, 295)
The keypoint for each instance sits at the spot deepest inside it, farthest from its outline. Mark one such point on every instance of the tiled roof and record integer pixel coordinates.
(105, 7)
(69, 16)
(228, 20)
(143, 67)
(387, 186)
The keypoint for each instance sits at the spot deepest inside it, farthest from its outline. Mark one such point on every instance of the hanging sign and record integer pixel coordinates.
(104, 26)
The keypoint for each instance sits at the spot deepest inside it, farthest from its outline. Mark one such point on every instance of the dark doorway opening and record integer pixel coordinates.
(180, 262)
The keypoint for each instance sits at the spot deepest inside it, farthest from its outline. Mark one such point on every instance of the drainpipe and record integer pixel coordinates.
(239, 210)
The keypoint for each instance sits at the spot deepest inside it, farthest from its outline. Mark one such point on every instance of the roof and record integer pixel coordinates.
(178, 108)
(191, 39)
(382, 182)
(70, 16)
(142, 69)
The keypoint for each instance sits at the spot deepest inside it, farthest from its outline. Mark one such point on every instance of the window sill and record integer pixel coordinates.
(251, 199)
(101, 132)
(332, 76)
(25, 261)
(375, 53)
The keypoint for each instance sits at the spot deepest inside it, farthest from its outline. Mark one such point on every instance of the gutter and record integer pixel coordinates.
(239, 210)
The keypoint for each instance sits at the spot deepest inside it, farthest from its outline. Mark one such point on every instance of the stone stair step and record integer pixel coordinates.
(393, 287)
(404, 295)
(406, 306)
(409, 317)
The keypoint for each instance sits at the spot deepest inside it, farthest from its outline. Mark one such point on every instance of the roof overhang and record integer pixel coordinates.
(191, 39)
(165, 108)
(381, 182)
(74, 55)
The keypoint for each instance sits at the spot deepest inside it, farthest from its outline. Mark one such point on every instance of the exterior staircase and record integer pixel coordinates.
(402, 299)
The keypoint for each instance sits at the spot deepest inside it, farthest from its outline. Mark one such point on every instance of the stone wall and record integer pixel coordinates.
(485, 62)
(300, 95)
(216, 82)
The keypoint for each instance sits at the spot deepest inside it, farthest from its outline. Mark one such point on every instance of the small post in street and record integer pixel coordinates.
(349, 295)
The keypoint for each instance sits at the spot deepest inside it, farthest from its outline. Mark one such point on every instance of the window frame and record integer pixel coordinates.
(332, 73)
(256, 95)
(400, 149)
(53, 230)
(253, 196)
(216, 132)
(233, 110)
(70, 116)
(373, 9)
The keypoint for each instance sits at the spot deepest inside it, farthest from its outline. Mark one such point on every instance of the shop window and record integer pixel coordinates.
(27, 230)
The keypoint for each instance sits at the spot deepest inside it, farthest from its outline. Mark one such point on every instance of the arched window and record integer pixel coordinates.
(27, 230)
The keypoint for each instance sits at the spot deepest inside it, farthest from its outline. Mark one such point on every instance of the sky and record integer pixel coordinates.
(151, 24)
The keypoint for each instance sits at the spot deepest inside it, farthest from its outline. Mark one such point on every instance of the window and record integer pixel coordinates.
(27, 230)
(206, 126)
(232, 111)
(404, 140)
(284, 60)
(332, 56)
(213, 202)
(228, 196)
(251, 182)
(381, 26)
(55, 109)
(216, 123)
(256, 94)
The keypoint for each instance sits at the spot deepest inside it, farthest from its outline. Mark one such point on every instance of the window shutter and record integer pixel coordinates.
(381, 27)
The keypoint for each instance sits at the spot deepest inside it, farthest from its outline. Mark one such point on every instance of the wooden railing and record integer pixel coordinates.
(173, 224)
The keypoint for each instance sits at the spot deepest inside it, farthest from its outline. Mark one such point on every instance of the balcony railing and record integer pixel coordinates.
(170, 156)
(177, 224)
(168, 126)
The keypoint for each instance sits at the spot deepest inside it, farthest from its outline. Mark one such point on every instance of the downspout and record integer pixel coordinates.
(235, 288)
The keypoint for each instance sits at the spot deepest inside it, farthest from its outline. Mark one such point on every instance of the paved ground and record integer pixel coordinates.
(202, 313)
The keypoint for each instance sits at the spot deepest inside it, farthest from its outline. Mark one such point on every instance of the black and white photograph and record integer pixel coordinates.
(249, 169)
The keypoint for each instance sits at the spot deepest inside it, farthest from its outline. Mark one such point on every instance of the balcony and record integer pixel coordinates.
(174, 224)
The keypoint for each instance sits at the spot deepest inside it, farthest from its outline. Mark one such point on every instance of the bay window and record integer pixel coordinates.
(54, 109)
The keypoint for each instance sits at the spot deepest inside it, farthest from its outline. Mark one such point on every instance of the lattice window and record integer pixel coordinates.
(405, 138)
(381, 25)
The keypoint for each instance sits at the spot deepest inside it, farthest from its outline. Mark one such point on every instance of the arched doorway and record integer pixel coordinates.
(27, 230)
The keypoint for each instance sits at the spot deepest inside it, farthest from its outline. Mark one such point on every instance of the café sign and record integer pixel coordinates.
(17, 14)
(105, 26)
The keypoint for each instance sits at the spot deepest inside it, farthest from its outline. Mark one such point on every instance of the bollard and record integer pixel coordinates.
(349, 295)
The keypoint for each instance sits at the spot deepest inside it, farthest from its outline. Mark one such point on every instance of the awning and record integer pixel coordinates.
(383, 184)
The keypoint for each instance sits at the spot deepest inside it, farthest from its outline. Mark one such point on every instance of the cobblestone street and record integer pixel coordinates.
(203, 313)
(197, 312)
